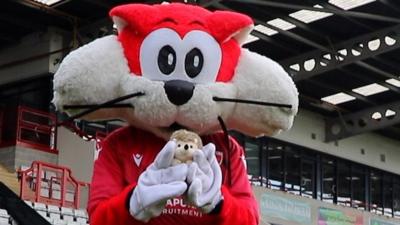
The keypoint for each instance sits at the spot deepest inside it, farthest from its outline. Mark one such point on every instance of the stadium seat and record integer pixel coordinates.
(53, 209)
(39, 206)
(4, 217)
(67, 211)
(80, 213)
(3, 212)
(29, 203)
(55, 216)
(42, 213)
(59, 222)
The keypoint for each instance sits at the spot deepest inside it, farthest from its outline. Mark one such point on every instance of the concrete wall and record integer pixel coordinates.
(31, 47)
(14, 157)
(25, 156)
(78, 155)
(282, 208)
(308, 123)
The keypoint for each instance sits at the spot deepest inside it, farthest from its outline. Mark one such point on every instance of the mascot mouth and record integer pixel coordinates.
(173, 127)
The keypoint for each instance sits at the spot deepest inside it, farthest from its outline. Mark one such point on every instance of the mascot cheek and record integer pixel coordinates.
(201, 112)
(154, 108)
(91, 74)
(259, 78)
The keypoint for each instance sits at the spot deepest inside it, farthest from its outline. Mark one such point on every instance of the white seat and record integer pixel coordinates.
(29, 203)
(42, 213)
(50, 220)
(68, 218)
(39, 206)
(3, 212)
(80, 213)
(67, 211)
(13, 221)
(59, 222)
(73, 223)
(81, 220)
(4, 220)
(55, 216)
(53, 209)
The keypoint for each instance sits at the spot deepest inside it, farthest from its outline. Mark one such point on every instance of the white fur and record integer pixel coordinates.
(261, 79)
(91, 74)
(99, 72)
(154, 111)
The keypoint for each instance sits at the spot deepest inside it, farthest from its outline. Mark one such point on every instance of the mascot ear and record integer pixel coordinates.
(226, 25)
(138, 17)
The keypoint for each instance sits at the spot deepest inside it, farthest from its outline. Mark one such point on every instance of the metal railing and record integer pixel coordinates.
(36, 129)
(50, 184)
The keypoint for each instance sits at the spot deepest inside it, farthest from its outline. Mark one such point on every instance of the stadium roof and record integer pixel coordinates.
(343, 54)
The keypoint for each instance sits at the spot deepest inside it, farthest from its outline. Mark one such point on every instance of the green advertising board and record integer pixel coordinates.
(287, 209)
(328, 216)
(380, 222)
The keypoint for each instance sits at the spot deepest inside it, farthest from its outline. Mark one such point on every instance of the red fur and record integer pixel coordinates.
(143, 19)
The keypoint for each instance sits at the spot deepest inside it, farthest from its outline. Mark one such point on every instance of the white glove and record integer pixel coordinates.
(157, 184)
(204, 179)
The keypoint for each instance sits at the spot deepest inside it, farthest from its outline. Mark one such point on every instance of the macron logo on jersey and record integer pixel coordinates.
(138, 159)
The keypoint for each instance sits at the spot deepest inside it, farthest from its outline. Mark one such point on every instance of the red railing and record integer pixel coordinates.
(27, 127)
(50, 184)
(36, 129)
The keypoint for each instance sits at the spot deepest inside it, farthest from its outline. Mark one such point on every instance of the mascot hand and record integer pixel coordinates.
(205, 179)
(157, 184)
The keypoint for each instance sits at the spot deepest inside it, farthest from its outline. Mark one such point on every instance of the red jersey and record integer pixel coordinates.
(127, 152)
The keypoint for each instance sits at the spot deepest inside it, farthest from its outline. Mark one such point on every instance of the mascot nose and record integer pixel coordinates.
(179, 91)
(186, 147)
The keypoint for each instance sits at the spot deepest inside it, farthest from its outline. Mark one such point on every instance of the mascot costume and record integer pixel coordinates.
(171, 67)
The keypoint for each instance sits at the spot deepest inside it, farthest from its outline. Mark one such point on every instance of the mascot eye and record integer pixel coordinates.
(179, 145)
(166, 60)
(194, 62)
(202, 58)
(160, 55)
(191, 146)
(165, 55)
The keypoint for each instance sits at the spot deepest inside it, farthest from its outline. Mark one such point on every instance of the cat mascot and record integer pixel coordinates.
(175, 66)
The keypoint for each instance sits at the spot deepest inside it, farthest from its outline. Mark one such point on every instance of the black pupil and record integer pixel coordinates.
(194, 62)
(167, 60)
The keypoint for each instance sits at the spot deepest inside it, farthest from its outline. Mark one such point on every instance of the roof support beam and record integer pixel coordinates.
(336, 12)
(339, 89)
(359, 122)
(362, 77)
(25, 22)
(326, 5)
(283, 32)
(267, 38)
(356, 49)
(258, 13)
(207, 3)
(100, 3)
(390, 4)
(49, 10)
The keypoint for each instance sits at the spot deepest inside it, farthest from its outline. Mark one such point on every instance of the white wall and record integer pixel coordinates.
(308, 123)
(78, 155)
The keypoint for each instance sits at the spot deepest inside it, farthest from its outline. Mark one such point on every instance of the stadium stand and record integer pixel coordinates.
(15, 211)
(56, 202)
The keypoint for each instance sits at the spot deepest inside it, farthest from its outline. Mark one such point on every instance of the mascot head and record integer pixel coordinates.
(187, 69)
